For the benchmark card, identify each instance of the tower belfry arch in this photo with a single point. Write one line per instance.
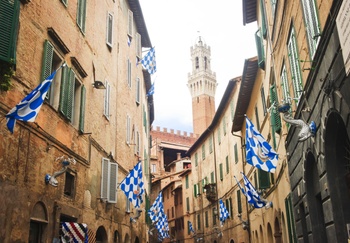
(202, 86)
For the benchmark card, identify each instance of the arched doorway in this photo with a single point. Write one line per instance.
(137, 240)
(101, 235)
(278, 233)
(337, 148)
(38, 222)
(127, 238)
(314, 199)
(269, 233)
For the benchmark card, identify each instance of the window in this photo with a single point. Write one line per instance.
(263, 19)
(263, 100)
(129, 72)
(36, 231)
(221, 172)
(212, 177)
(198, 221)
(196, 190)
(153, 168)
(290, 219)
(285, 85)
(232, 108)
(224, 125)
(312, 25)
(273, 7)
(138, 91)
(204, 183)
(214, 211)
(172, 212)
(227, 165)
(203, 151)
(138, 46)
(206, 219)
(128, 129)
(109, 181)
(127, 206)
(106, 112)
(187, 204)
(137, 142)
(130, 22)
(187, 183)
(257, 118)
(236, 153)
(9, 19)
(72, 98)
(275, 116)
(294, 65)
(228, 203)
(69, 184)
(219, 135)
(210, 144)
(196, 159)
(239, 204)
(264, 179)
(109, 38)
(81, 15)
(260, 49)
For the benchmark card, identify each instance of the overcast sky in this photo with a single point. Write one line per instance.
(173, 27)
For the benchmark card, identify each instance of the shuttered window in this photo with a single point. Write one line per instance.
(227, 165)
(263, 19)
(138, 91)
(260, 49)
(236, 153)
(203, 151)
(275, 116)
(82, 109)
(128, 129)
(198, 221)
(129, 72)
(196, 159)
(109, 180)
(293, 57)
(138, 46)
(290, 219)
(130, 22)
(187, 183)
(257, 118)
(106, 110)
(263, 100)
(239, 203)
(221, 172)
(214, 210)
(232, 109)
(67, 92)
(285, 85)
(212, 177)
(187, 204)
(264, 179)
(81, 15)
(9, 19)
(110, 22)
(312, 25)
(210, 144)
(224, 125)
(219, 135)
(47, 64)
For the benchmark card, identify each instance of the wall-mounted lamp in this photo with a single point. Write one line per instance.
(138, 214)
(245, 223)
(98, 85)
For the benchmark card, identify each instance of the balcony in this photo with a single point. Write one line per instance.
(210, 192)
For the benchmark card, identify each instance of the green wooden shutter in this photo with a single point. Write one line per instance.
(81, 14)
(9, 18)
(260, 49)
(196, 159)
(227, 166)
(263, 20)
(221, 172)
(70, 95)
(82, 109)
(275, 116)
(46, 68)
(187, 204)
(290, 219)
(113, 179)
(236, 153)
(198, 221)
(64, 90)
(231, 212)
(264, 179)
(186, 181)
(195, 190)
(147, 207)
(239, 203)
(212, 179)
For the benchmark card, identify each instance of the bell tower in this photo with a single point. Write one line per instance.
(202, 85)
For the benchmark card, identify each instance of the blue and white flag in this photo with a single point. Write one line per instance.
(223, 214)
(149, 61)
(162, 226)
(190, 226)
(28, 109)
(151, 90)
(252, 195)
(259, 153)
(133, 186)
(157, 209)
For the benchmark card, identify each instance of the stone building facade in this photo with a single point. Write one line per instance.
(306, 51)
(98, 131)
